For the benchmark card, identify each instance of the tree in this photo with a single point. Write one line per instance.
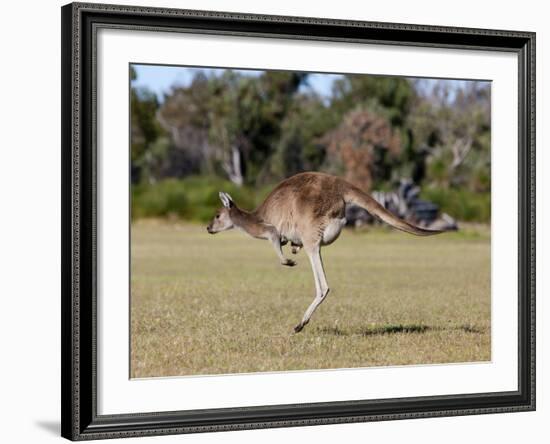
(145, 129)
(298, 147)
(184, 115)
(453, 127)
(230, 124)
(363, 146)
(394, 94)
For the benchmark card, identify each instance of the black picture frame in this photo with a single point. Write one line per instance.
(80, 420)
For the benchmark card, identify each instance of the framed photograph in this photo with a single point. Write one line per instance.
(281, 221)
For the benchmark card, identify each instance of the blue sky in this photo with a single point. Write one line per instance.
(160, 79)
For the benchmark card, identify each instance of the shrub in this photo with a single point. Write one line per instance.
(461, 204)
(162, 199)
(193, 198)
(196, 198)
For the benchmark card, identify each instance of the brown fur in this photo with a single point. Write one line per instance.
(303, 204)
(307, 210)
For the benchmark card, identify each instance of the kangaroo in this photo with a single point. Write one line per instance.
(307, 210)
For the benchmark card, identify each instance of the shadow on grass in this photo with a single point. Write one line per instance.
(387, 329)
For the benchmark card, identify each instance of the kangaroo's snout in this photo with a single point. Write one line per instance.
(209, 229)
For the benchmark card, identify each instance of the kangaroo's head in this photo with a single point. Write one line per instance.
(222, 219)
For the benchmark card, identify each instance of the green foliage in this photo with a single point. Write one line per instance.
(394, 94)
(461, 204)
(455, 136)
(196, 198)
(145, 131)
(249, 132)
(299, 146)
(237, 118)
(193, 198)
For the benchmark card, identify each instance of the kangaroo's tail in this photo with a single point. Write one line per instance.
(354, 195)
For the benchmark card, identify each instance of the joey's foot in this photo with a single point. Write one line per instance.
(288, 262)
(295, 250)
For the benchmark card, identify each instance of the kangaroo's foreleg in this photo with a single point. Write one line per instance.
(321, 285)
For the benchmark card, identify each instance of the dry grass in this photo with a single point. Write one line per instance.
(205, 304)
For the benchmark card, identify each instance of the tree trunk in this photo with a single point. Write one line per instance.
(233, 166)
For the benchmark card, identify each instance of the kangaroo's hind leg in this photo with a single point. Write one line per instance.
(321, 285)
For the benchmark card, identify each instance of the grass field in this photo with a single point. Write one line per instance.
(203, 304)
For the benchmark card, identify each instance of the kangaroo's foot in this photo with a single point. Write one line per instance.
(288, 262)
(299, 327)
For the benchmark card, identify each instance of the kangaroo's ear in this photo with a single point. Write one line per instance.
(226, 200)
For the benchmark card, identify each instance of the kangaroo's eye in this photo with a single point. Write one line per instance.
(217, 216)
